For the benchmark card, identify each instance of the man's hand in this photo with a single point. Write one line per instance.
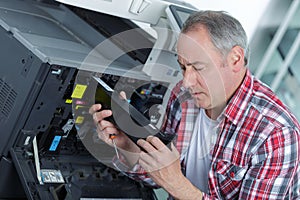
(163, 166)
(161, 163)
(105, 129)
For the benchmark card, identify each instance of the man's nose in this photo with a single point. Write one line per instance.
(189, 77)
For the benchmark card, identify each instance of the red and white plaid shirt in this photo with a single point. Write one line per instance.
(257, 152)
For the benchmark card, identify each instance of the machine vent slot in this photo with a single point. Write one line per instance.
(7, 99)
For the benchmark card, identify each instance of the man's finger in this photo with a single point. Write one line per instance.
(104, 124)
(123, 95)
(98, 116)
(147, 162)
(94, 108)
(156, 142)
(146, 145)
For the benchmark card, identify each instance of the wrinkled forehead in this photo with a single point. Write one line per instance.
(191, 47)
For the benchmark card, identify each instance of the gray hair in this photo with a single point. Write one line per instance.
(225, 31)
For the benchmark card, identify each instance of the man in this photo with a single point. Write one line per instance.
(245, 143)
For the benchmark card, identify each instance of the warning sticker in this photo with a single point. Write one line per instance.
(68, 101)
(55, 143)
(79, 91)
(52, 176)
(79, 120)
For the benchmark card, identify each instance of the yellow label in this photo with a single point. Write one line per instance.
(69, 101)
(78, 91)
(79, 120)
(78, 106)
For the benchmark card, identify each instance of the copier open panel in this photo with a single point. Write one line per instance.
(67, 169)
(45, 45)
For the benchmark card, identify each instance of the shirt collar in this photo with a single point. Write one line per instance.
(237, 105)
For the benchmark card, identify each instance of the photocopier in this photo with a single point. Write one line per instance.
(54, 55)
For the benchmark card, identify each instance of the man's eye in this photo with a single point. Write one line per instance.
(182, 67)
(199, 68)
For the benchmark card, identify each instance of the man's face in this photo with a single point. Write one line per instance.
(205, 73)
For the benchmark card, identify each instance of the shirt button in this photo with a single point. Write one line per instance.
(231, 174)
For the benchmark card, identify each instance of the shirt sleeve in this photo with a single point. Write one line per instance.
(272, 173)
(173, 110)
(136, 172)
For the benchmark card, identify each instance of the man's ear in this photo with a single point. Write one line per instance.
(235, 58)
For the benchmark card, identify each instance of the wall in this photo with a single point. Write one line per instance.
(248, 12)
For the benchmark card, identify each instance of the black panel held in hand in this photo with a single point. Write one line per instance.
(125, 116)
